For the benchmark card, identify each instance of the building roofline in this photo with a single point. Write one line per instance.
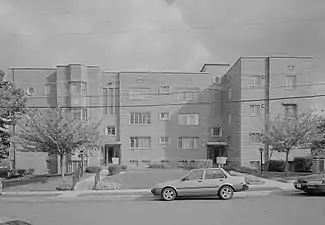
(214, 64)
(162, 72)
(30, 68)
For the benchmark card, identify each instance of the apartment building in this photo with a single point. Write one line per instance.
(150, 116)
(253, 83)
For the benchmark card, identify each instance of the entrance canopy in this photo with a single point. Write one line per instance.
(220, 143)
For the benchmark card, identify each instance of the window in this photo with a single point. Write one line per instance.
(48, 89)
(78, 87)
(291, 81)
(214, 174)
(80, 114)
(140, 93)
(229, 93)
(84, 114)
(30, 91)
(188, 95)
(188, 119)
(188, 142)
(140, 143)
(165, 89)
(84, 88)
(140, 118)
(229, 118)
(195, 175)
(255, 137)
(256, 81)
(164, 139)
(105, 100)
(110, 130)
(255, 110)
(290, 110)
(111, 101)
(216, 131)
(164, 116)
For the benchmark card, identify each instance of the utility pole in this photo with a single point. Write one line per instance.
(266, 107)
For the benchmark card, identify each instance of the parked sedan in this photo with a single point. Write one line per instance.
(311, 184)
(201, 182)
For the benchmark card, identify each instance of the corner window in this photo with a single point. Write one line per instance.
(48, 89)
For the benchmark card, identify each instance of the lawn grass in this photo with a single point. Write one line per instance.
(144, 179)
(37, 183)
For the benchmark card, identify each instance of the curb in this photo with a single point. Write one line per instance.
(137, 192)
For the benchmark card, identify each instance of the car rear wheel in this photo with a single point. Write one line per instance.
(226, 192)
(168, 194)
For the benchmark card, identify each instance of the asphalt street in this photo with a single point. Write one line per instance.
(284, 208)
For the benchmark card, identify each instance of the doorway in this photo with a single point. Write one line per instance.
(109, 153)
(215, 151)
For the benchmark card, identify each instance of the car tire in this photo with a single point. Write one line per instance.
(226, 192)
(168, 194)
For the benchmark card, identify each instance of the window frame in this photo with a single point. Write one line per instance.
(196, 119)
(111, 128)
(140, 116)
(140, 97)
(288, 79)
(254, 78)
(162, 118)
(161, 87)
(213, 129)
(255, 114)
(136, 141)
(195, 143)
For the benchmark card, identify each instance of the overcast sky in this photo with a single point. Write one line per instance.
(157, 34)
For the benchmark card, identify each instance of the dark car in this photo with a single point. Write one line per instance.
(311, 184)
(11, 221)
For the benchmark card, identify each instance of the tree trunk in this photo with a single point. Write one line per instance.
(62, 168)
(286, 165)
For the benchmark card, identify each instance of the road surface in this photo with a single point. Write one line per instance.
(286, 209)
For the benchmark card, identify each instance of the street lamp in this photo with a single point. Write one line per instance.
(261, 149)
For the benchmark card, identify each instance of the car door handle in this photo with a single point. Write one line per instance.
(221, 179)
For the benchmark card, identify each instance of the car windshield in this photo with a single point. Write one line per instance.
(194, 175)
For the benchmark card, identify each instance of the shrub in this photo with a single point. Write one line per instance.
(4, 172)
(93, 169)
(156, 165)
(21, 172)
(107, 186)
(302, 164)
(114, 169)
(30, 171)
(240, 169)
(276, 165)
(64, 187)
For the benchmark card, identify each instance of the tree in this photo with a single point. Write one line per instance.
(56, 131)
(295, 132)
(12, 107)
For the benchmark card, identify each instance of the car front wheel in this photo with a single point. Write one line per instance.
(226, 192)
(168, 194)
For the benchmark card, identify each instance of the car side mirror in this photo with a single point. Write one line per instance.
(185, 179)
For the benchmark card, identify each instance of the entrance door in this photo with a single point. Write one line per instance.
(108, 154)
